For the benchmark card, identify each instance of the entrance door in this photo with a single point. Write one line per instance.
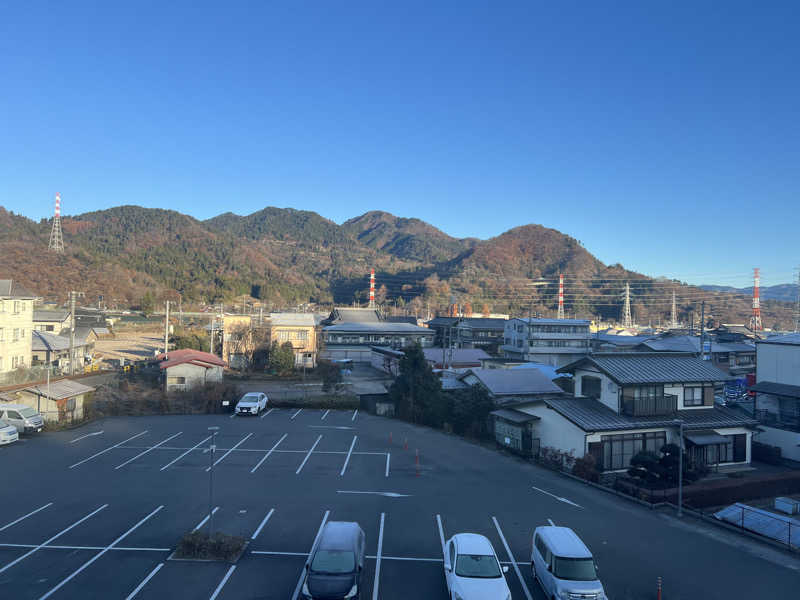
(740, 447)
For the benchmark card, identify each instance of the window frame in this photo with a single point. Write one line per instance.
(693, 402)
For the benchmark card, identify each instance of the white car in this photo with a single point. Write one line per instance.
(472, 570)
(251, 403)
(8, 433)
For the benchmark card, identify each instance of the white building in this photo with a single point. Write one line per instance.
(186, 369)
(554, 342)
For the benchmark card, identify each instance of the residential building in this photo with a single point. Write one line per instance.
(50, 349)
(455, 359)
(61, 400)
(237, 340)
(736, 358)
(554, 342)
(53, 320)
(468, 332)
(777, 388)
(16, 324)
(186, 369)
(302, 331)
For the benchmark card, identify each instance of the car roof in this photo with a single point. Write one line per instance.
(563, 542)
(13, 406)
(473, 543)
(339, 535)
(252, 394)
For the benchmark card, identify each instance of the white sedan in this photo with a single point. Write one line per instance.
(251, 403)
(472, 570)
(8, 433)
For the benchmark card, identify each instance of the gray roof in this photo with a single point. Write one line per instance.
(621, 340)
(514, 382)
(11, 289)
(482, 323)
(47, 314)
(553, 321)
(456, 355)
(650, 367)
(776, 389)
(378, 327)
(452, 383)
(790, 339)
(43, 341)
(515, 416)
(354, 315)
(591, 415)
(362, 388)
(690, 343)
(293, 319)
(64, 388)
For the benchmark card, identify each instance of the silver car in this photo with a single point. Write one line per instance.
(8, 433)
(21, 416)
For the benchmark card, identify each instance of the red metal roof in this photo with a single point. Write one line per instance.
(187, 355)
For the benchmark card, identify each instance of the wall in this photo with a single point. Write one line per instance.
(787, 441)
(609, 394)
(779, 363)
(9, 321)
(554, 430)
(195, 375)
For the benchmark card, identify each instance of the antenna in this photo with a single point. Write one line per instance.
(627, 321)
(755, 320)
(56, 237)
(560, 296)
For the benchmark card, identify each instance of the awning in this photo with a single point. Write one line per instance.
(515, 416)
(705, 437)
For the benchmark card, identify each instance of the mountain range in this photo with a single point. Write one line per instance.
(134, 256)
(785, 292)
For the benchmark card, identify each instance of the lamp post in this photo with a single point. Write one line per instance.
(211, 451)
(679, 423)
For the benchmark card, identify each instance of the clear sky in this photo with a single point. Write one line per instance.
(663, 135)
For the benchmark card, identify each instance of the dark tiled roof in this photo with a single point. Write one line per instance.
(645, 367)
(515, 416)
(776, 389)
(591, 415)
(439, 321)
(483, 323)
(353, 315)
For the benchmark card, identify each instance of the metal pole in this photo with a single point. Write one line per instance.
(211, 451)
(680, 472)
(72, 332)
(166, 332)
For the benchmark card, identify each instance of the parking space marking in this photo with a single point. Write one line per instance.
(266, 413)
(130, 460)
(303, 572)
(329, 427)
(144, 582)
(355, 413)
(261, 525)
(378, 561)
(203, 522)
(223, 582)
(107, 450)
(300, 468)
(57, 547)
(388, 456)
(221, 458)
(172, 462)
(513, 560)
(273, 553)
(98, 555)
(551, 522)
(349, 452)
(59, 534)
(386, 494)
(271, 450)
(30, 514)
(559, 498)
(325, 414)
(295, 414)
(77, 439)
(441, 532)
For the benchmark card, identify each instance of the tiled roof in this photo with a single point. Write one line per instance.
(46, 314)
(776, 389)
(688, 343)
(482, 323)
(11, 289)
(591, 415)
(293, 319)
(196, 357)
(514, 382)
(354, 315)
(378, 327)
(42, 341)
(650, 367)
(553, 321)
(456, 355)
(790, 339)
(515, 416)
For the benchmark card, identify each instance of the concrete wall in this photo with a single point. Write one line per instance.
(787, 441)
(779, 363)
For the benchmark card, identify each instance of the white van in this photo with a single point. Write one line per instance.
(21, 416)
(563, 565)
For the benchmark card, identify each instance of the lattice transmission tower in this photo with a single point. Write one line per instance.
(56, 237)
(627, 320)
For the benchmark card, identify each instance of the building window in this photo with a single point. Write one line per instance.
(693, 396)
(1, 334)
(590, 386)
(16, 307)
(15, 335)
(618, 450)
(176, 380)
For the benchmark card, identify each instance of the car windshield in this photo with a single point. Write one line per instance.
(334, 561)
(477, 565)
(27, 412)
(249, 398)
(575, 569)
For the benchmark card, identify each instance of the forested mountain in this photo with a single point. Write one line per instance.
(133, 256)
(785, 292)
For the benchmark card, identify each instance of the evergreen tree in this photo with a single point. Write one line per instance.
(417, 392)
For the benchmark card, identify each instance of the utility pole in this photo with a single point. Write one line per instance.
(166, 332)
(72, 295)
(674, 323)
(702, 329)
(797, 308)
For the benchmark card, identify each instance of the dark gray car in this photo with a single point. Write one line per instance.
(333, 571)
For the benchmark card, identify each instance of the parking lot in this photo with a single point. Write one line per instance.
(97, 511)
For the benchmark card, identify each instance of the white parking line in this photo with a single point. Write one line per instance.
(295, 414)
(130, 460)
(173, 461)
(300, 468)
(271, 553)
(59, 534)
(223, 582)
(441, 531)
(325, 414)
(271, 450)
(221, 458)
(114, 549)
(355, 413)
(98, 555)
(378, 561)
(559, 498)
(347, 460)
(551, 522)
(388, 456)
(303, 572)
(261, 525)
(203, 522)
(107, 450)
(83, 437)
(30, 514)
(266, 413)
(144, 582)
(513, 560)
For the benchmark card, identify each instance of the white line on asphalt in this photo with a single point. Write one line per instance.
(271, 450)
(173, 461)
(144, 581)
(233, 415)
(30, 514)
(271, 553)
(513, 560)
(130, 460)
(559, 498)
(388, 456)
(441, 531)
(98, 555)
(329, 427)
(302, 464)
(355, 413)
(347, 460)
(77, 439)
(295, 414)
(378, 561)
(303, 572)
(220, 459)
(325, 414)
(59, 534)
(266, 413)
(114, 549)
(261, 525)
(203, 522)
(107, 449)
(223, 582)
(551, 522)
(386, 494)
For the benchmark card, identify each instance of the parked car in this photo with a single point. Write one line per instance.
(251, 403)
(563, 565)
(333, 570)
(8, 433)
(21, 416)
(471, 569)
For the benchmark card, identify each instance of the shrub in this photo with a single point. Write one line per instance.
(586, 468)
(220, 546)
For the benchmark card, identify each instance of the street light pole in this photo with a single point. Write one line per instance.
(680, 468)
(211, 451)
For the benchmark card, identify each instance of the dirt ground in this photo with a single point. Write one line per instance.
(130, 345)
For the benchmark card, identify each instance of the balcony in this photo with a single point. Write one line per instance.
(650, 406)
(789, 421)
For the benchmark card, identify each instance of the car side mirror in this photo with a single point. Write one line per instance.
(550, 568)
(505, 569)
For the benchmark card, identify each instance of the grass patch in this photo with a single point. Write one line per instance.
(221, 546)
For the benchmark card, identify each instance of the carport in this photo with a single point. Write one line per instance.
(513, 429)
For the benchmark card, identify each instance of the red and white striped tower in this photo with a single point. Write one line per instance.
(56, 237)
(372, 288)
(560, 296)
(755, 320)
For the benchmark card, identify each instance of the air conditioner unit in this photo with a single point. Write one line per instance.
(787, 505)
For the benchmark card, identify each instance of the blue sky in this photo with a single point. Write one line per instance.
(664, 136)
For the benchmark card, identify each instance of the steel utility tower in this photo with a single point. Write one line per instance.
(56, 237)
(755, 320)
(372, 288)
(627, 321)
(674, 321)
(560, 296)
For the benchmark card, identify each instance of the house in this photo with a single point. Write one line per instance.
(61, 400)
(51, 319)
(777, 388)
(386, 360)
(50, 349)
(16, 324)
(237, 340)
(612, 342)
(627, 402)
(468, 332)
(455, 359)
(186, 369)
(736, 358)
(551, 341)
(302, 331)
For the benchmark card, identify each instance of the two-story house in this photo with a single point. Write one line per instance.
(736, 358)
(468, 332)
(54, 320)
(553, 342)
(627, 402)
(301, 330)
(16, 324)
